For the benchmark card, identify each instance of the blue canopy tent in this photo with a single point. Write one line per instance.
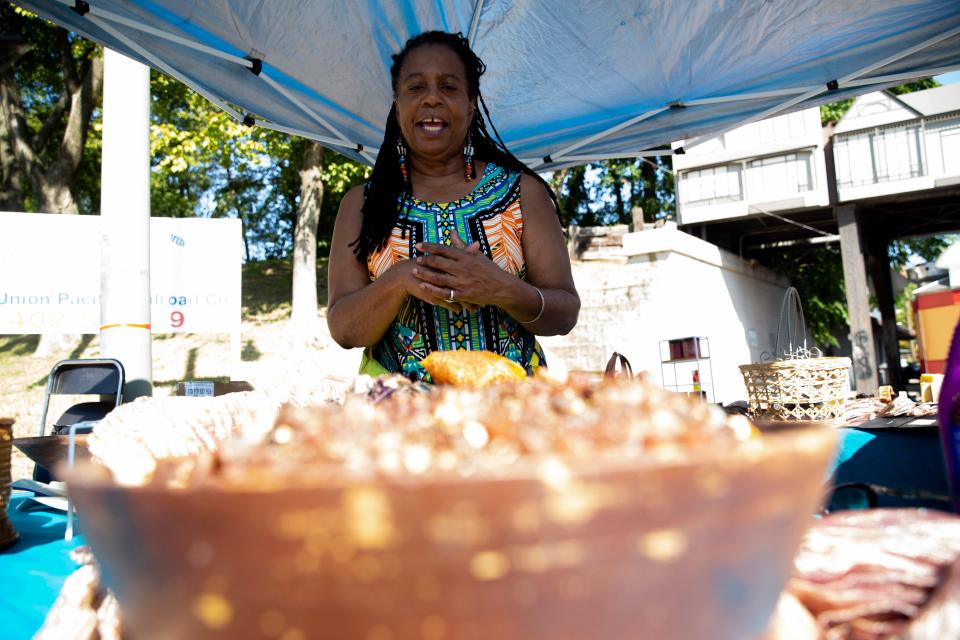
(568, 82)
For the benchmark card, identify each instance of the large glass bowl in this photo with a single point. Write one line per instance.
(696, 547)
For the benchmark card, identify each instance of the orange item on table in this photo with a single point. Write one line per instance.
(472, 368)
(936, 313)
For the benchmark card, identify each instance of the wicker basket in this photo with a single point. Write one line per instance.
(8, 535)
(799, 390)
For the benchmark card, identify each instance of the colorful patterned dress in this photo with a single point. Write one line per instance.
(490, 214)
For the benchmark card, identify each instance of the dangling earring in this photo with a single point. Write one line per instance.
(468, 157)
(402, 152)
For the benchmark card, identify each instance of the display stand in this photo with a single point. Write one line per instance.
(685, 366)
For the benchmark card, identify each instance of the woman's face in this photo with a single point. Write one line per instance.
(433, 105)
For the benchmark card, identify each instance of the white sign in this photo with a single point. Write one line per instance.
(50, 274)
(195, 274)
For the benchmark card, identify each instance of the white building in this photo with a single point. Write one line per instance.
(771, 165)
(889, 144)
(889, 169)
(662, 284)
(771, 183)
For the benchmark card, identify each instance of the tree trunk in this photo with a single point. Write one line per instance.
(616, 178)
(11, 167)
(303, 315)
(54, 186)
(246, 240)
(648, 180)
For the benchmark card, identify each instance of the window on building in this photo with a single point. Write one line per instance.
(885, 154)
(779, 177)
(715, 184)
(950, 147)
(854, 160)
(785, 127)
(897, 154)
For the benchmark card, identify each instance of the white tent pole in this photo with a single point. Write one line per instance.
(899, 55)
(760, 95)
(324, 140)
(167, 68)
(817, 91)
(166, 35)
(766, 113)
(649, 153)
(239, 117)
(249, 64)
(125, 332)
(646, 153)
(475, 21)
(608, 132)
(313, 114)
(898, 77)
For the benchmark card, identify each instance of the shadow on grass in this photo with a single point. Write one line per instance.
(250, 353)
(85, 341)
(19, 345)
(191, 370)
(75, 354)
(268, 286)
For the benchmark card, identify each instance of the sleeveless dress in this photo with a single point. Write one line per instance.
(490, 214)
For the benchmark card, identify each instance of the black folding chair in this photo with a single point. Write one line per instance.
(102, 377)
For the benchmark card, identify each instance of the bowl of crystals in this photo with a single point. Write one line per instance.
(526, 509)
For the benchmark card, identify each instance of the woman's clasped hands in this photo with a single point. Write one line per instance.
(457, 277)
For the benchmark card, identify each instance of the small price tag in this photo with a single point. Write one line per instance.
(198, 389)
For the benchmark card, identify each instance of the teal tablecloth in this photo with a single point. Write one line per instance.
(33, 570)
(906, 460)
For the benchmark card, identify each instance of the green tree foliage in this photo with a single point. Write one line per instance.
(927, 248)
(207, 164)
(49, 103)
(340, 174)
(833, 111)
(910, 87)
(817, 273)
(573, 196)
(605, 193)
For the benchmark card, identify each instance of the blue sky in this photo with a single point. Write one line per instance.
(948, 78)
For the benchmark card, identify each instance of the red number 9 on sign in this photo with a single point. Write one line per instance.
(176, 319)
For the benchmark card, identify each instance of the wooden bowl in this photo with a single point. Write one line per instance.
(698, 548)
(52, 451)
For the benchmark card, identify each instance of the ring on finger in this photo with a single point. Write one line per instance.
(450, 298)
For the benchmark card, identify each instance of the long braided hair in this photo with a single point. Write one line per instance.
(387, 196)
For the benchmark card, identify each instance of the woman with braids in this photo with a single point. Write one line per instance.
(453, 243)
